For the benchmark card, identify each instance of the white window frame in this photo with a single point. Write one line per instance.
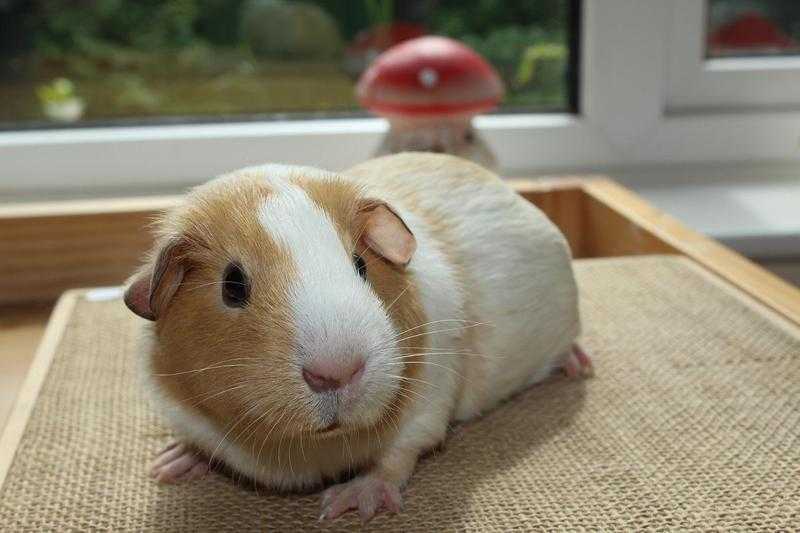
(736, 83)
(625, 120)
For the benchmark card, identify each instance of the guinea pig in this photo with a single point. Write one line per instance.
(308, 326)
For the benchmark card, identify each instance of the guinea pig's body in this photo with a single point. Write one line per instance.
(496, 264)
(309, 324)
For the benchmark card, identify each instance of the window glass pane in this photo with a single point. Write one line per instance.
(94, 61)
(753, 28)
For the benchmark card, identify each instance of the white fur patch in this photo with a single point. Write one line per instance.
(337, 315)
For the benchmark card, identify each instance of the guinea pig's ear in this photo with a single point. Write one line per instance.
(151, 289)
(385, 232)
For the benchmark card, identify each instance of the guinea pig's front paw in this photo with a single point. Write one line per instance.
(177, 463)
(367, 493)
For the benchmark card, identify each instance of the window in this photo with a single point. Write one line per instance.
(95, 62)
(641, 88)
(761, 28)
(742, 56)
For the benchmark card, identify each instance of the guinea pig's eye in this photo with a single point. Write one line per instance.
(235, 286)
(361, 266)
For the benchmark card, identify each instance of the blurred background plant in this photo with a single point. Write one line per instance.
(179, 58)
(59, 101)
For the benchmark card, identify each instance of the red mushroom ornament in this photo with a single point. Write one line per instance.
(429, 89)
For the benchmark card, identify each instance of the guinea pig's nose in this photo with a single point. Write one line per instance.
(323, 376)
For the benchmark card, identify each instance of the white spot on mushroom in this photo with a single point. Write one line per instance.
(428, 77)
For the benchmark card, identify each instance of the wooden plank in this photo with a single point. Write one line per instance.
(42, 256)
(608, 232)
(49, 247)
(99, 206)
(21, 329)
(26, 399)
(561, 199)
(619, 222)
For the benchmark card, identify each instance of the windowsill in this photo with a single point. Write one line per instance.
(201, 131)
(759, 219)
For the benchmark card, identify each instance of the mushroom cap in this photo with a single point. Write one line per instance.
(429, 76)
(747, 30)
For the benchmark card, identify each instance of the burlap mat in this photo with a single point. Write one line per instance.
(691, 422)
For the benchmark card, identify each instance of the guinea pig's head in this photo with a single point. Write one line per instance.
(282, 304)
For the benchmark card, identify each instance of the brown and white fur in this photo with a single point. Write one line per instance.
(468, 297)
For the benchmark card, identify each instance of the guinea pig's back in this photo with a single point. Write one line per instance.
(514, 265)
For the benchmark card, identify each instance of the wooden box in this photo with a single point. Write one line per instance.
(690, 422)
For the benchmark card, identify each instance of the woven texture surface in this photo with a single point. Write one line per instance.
(692, 422)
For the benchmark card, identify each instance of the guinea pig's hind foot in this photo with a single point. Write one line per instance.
(177, 463)
(367, 494)
(577, 363)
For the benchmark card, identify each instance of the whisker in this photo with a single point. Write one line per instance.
(237, 387)
(406, 378)
(412, 395)
(238, 421)
(398, 297)
(442, 331)
(433, 349)
(437, 365)
(252, 432)
(405, 393)
(302, 450)
(280, 443)
(266, 438)
(349, 450)
(430, 324)
(393, 416)
(420, 354)
(244, 434)
(205, 369)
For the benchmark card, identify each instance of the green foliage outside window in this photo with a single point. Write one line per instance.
(126, 58)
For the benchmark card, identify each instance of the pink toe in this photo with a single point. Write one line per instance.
(171, 453)
(197, 471)
(584, 361)
(366, 510)
(340, 503)
(172, 472)
(336, 510)
(571, 368)
(583, 358)
(367, 495)
(172, 445)
(392, 499)
(329, 494)
(370, 501)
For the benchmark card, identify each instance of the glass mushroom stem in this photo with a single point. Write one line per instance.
(450, 134)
